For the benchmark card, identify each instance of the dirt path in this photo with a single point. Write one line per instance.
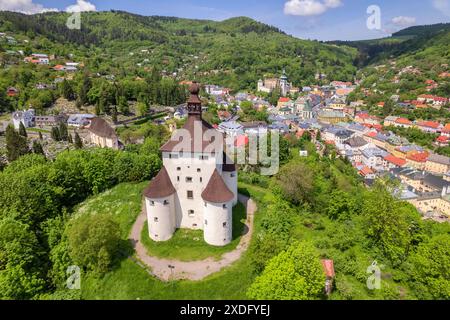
(193, 270)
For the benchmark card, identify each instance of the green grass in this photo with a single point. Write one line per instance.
(123, 203)
(130, 281)
(189, 245)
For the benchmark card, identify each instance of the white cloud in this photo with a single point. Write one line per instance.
(81, 6)
(443, 6)
(309, 7)
(23, 6)
(403, 21)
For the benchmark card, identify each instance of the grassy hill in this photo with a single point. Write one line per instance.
(234, 52)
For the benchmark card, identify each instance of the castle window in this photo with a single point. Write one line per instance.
(194, 225)
(152, 203)
(203, 157)
(155, 219)
(201, 179)
(178, 168)
(224, 206)
(166, 202)
(190, 194)
(232, 175)
(191, 213)
(189, 179)
(178, 178)
(224, 224)
(206, 222)
(206, 204)
(199, 170)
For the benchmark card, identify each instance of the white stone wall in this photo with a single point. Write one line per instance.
(160, 218)
(218, 223)
(179, 168)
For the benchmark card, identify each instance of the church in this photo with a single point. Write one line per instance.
(197, 185)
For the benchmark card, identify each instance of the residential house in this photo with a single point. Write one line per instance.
(417, 160)
(391, 162)
(12, 92)
(24, 117)
(374, 158)
(429, 126)
(254, 127)
(79, 120)
(437, 164)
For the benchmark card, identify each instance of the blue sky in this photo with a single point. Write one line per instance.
(307, 19)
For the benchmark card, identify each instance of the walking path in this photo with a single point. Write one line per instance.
(167, 269)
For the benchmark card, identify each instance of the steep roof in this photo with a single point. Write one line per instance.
(160, 186)
(101, 128)
(217, 191)
(193, 123)
(197, 143)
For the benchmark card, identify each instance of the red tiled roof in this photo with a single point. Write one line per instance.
(283, 99)
(371, 134)
(442, 139)
(429, 124)
(365, 171)
(419, 157)
(397, 161)
(403, 121)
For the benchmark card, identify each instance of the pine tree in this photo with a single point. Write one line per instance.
(78, 142)
(55, 134)
(63, 134)
(66, 90)
(22, 130)
(114, 115)
(37, 148)
(16, 145)
(40, 136)
(69, 138)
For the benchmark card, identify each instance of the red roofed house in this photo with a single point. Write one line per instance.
(381, 104)
(328, 268)
(367, 173)
(430, 126)
(434, 100)
(403, 123)
(417, 160)
(442, 141)
(283, 101)
(391, 162)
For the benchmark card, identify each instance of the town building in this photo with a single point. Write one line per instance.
(270, 84)
(24, 117)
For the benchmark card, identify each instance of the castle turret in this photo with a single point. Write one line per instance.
(218, 211)
(160, 206)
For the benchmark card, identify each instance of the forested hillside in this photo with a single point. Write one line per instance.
(235, 52)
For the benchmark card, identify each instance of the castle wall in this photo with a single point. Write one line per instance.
(218, 223)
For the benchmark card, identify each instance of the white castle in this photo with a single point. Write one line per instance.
(196, 187)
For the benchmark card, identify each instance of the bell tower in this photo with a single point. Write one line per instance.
(194, 104)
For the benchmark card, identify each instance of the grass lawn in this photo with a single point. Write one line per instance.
(129, 281)
(188, 245)
(123, 203)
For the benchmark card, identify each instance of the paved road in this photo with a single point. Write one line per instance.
(194, 270)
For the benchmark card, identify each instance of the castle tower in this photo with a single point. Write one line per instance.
(195, 189)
